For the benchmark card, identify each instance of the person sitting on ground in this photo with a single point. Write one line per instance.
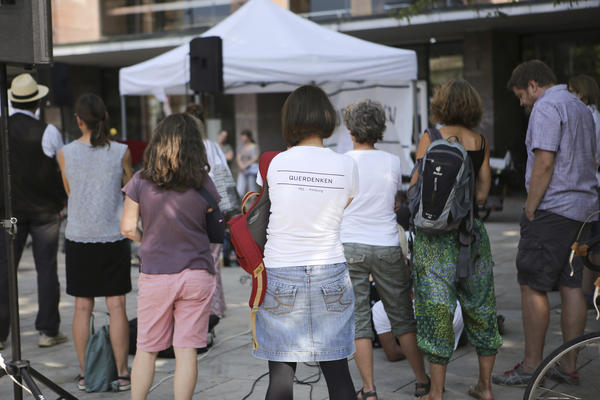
(97, 256)
(391, 346)
(457, 105)
(372, 246)
(177, 276)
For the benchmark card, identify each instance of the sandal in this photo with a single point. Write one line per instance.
(80, 382)
(364, 395)
(117, 386)
(422, 389)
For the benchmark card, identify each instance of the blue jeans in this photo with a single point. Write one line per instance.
(44, 230)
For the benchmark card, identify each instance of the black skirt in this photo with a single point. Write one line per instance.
(98, 269)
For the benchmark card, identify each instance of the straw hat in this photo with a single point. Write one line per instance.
(25, 89)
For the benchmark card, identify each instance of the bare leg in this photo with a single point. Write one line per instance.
(408, 342)
(483, 389)
(364, 362)
(142, 374)
(186, 372)
(81, 327)
(572, 321)
(536, 316)
(438, 379)
(119, 332)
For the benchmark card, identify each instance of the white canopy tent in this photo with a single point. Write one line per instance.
(269, 49)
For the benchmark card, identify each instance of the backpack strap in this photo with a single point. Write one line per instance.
(434, 134)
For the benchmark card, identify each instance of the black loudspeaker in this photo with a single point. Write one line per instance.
(61, 85)
(206, 64)
(25, 32)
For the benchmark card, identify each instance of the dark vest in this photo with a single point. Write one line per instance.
(35, 178)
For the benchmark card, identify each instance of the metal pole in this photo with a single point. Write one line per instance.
(123, 119)
(9, 225)
(413, 86)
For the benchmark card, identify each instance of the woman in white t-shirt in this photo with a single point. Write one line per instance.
(372, 246)
(307, 314)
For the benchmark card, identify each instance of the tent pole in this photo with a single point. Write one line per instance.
(123, 119)
(413, 86)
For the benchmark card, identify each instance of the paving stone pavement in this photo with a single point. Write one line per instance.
(228, 371)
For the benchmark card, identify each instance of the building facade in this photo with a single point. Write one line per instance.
(478, 40)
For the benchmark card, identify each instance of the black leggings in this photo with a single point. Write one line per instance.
(337, 376)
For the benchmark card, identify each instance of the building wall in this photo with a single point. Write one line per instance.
(75, 21)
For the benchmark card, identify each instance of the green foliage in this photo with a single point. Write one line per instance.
(424, 6)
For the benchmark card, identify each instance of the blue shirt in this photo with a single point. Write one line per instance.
(560, 123)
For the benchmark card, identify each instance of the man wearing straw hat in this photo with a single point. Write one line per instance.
(37, 198)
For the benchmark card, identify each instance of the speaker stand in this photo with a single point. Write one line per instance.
(19, 369)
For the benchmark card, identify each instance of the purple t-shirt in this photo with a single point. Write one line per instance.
(174, 225)
(560, 123)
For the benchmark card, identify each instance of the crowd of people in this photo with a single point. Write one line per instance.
(332, 235)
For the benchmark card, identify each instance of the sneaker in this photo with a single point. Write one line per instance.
(513, 377)
(49, 341)
(558, 375)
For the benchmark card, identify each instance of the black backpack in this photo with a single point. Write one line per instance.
(442, 198)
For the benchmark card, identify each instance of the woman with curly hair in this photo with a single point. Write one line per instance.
(177, 278)
(372, 246)
(456, 105)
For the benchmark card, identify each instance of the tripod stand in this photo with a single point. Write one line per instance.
(19, 369)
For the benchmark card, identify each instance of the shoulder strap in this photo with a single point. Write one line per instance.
(264, 162)
(434, 134)
(208, 197)
(482, 142)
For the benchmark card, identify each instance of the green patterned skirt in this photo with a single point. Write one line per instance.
(436, 292)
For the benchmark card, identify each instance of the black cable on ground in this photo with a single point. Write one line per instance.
(296, 380)
(254, 385)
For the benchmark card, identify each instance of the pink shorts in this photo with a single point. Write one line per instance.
(173, 309)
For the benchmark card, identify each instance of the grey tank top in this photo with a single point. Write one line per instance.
(95, 200)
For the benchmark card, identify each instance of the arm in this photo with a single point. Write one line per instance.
(541, 174)
(61, 164)
(421, 150)
(484, 178)
(229, 155)
(129, 220)
(127, 169)
(240, 164)
(255, 156)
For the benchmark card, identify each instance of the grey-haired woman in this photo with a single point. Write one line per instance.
(372, 246)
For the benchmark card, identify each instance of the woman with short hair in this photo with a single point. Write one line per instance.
(177, 276)
(307, 314)
(97, 256)
(457, 106)
(372, 246)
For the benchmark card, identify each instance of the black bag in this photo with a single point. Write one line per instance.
(215, 223)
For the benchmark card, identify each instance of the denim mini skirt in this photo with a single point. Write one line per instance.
(307, 314)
